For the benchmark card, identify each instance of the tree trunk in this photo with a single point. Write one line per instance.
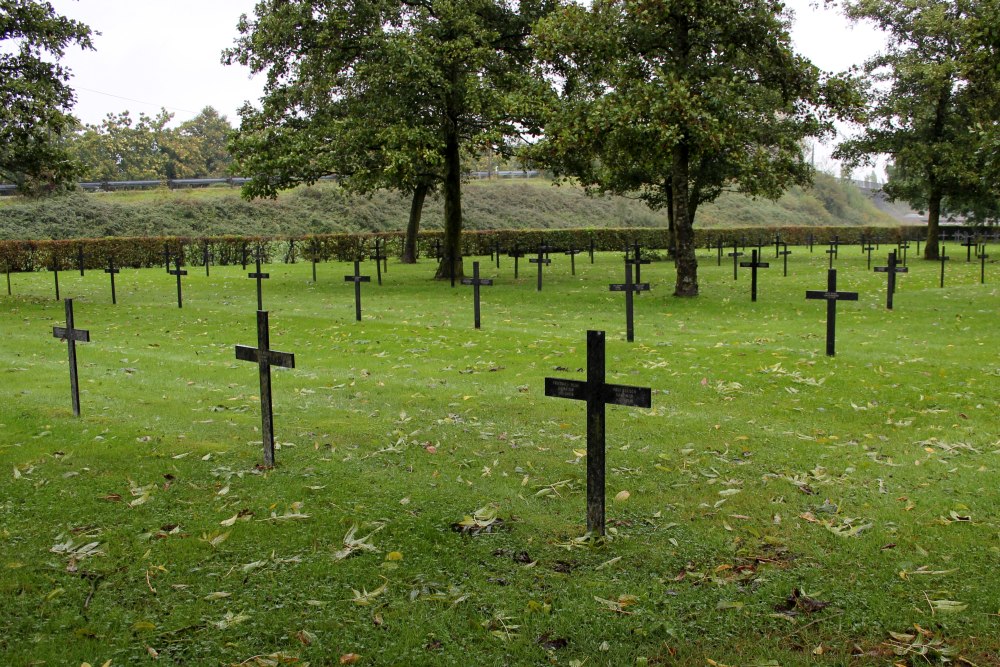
(671, 235)
(933, 220)
(413, 225)
(451, 262)
(687, 263)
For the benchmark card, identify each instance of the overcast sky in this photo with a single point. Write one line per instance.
(167, 53)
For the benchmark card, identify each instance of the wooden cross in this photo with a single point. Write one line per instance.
(636, 260)
(9, 293)
(892, 269)
(784, 256)
(243, 255)
(597, 393)
(379, 257)
(111, 271)
(259, 276)
(777, 244)
(476, 281)
(495, 252)
(437, 250)
(55, 273)
(720, 251)
(79, 258)
(835, 244)
(735, 254)
(832, 296)
(753, 265)
(982, 264)
(265, 357)
(629, 288)
(572, 252)
(515, 253)
(969, 244)
(314, 255)
(290, 256)
(166, 256)
(944, 258)
(357, 279)
(832, 252)
(72, 335)
(540, 260)
(591, 248)
(178, 272)
(868, 247)
(811, 239)
(904, 246)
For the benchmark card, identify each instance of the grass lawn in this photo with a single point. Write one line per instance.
(774, 507)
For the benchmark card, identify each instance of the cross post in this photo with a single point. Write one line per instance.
(591, 248)
(259, 276)
(265, 357)
(982, 264)
(735, 254)
(243, 255)
(177, 271)
(166, 256)
(832, 296)
(720, 251)
(777, 246)
(515, 253)
(943, 258)
(378, 257)
(904, 246)
(111, 271)
(753, 265)
(892, 269)
(206, 256)
(572, 252)
(832, 252)
(969, 244)
(597, 393)
(629, 288)
(72, 335)
(540, 260)
(784, 256)
(476, 281)
(79, 258)
(636, 260)
(55, 274)
(811, 240)
(868, 247)
(357, 279)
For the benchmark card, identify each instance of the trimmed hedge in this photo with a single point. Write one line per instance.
(142, 252)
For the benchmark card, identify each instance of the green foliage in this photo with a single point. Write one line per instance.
(922, 106)
(678, 101)
(35, 98)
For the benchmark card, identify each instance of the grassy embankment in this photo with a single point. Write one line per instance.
(325, 208)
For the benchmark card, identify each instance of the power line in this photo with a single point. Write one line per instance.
(129, 99)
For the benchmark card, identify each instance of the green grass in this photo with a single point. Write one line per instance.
(325, 208)
(758, 460)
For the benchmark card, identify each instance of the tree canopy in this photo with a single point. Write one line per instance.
(674, 101)
(923, 105)
(384, 94)
(35, 98)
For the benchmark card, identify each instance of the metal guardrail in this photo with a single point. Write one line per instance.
(7, 189)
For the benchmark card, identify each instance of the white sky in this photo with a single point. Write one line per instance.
(166, 53)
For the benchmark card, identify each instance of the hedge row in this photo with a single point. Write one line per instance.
(227, 250)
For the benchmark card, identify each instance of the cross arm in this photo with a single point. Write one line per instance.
(62, 333)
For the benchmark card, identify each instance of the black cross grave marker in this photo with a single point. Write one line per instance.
(892, 269)
(357, 279)
(735, 254)
(969, 244)
(832, 296)
(314, 255)
(629, 288)
(868, 247)
(178, 272)
(591, 248)
(982, 264)
(540, 260)
(720, 251)
(832, 252)
(265, 357)
(753, 265)
(495, 252)
(636, 260)
(55, 274)
(812, 239)
(516, 254)
(243, 255)
(904, 246)
(111, 271)
(476, 281)
(944, 258)
(572, 252)
(259, 276)
(72, 335)
(79, 258)
(784, 258)
(597, 393)
(9, 293)
(379, 257)
(166, 257)
(777, 246)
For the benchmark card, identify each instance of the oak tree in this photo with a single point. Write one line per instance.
(676, 100)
